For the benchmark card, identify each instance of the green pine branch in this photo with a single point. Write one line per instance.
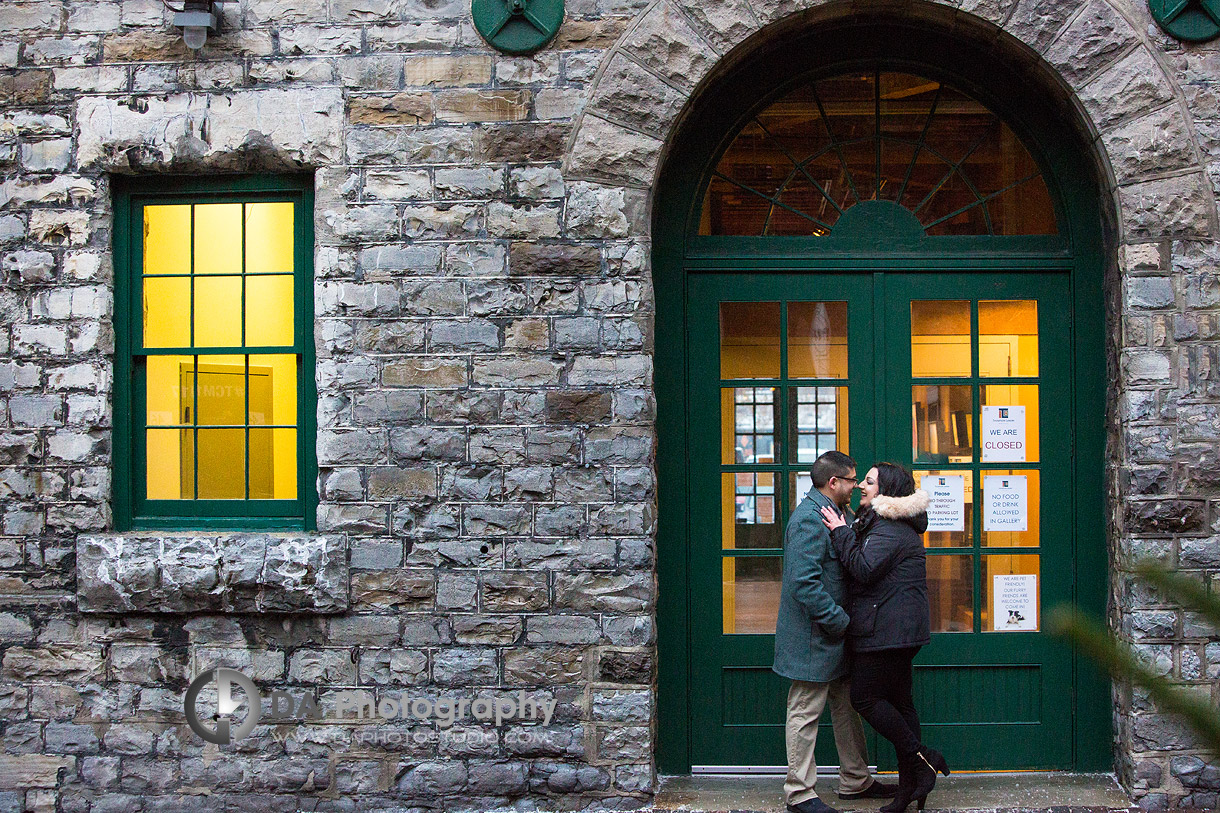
(1122, 663)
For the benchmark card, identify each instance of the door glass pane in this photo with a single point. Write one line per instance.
(817, 421)
(273, 464)
(1011, 592)
(217, 311)
(799, 485)
(1008, 338)
(1009, 423)
(751, 594)
(940, 338)
(941, 430)
(749, 339)
(218, 242)
(1011, 508)
(269, 311)
(951, 592)
(169, 464)
(749, 423)
(817, 340)
(167, 239)
(166, 390)
(269, 238)
(951, 512)
(750, 510)
(167, 312)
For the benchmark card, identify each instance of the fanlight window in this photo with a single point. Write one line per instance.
(803, 161)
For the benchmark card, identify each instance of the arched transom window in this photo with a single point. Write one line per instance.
(806, 159)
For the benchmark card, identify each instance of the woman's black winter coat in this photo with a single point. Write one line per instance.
(888, 587)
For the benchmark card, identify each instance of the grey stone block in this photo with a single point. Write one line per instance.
(212, 572)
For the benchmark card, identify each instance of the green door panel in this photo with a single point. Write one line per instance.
(737, 700)
(990, 700)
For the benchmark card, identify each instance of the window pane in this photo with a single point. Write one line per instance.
(1008, 338)
(167, 239)
(168, 390)
(169, 463)
(222, 390)
(1011, 592)
(751, 594)
(222, 464)
(1009, 423)
(749, 509)
(817, 422)
(217, 311)
(269, 238)
(167, 312)
(817, 340)
(273, 464)
(941, 429)
(940, 338)
(749, 339)
(273, 390)
(749, 425)
(950, 514)
(269, 311)
(1011, 508)
(218, 238)
(951, 592)
(1024, 209)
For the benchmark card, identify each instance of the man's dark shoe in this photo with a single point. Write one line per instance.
(877, 790)
(814, 805)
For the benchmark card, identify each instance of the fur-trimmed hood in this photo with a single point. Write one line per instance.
(899, 508)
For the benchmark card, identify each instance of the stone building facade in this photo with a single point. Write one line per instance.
(486, 417)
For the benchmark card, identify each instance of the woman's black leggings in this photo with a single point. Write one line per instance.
(881, 692)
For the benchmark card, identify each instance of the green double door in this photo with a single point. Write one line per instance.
(966, 379)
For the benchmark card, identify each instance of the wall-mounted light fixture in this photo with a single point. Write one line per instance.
(197, 19)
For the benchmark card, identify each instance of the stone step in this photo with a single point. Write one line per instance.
(1027, 792)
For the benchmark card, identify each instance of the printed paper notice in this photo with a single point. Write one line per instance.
(947, 509)
(1005, 502)
(1014, 603)
(1003, 434)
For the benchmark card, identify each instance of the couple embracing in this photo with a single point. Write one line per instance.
(853, 614)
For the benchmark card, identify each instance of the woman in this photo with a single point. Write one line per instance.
(884, 555)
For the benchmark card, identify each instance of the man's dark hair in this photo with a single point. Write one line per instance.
(831, 464)
(894, 481)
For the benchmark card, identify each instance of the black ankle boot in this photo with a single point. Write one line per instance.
(906, 786)
(925, 774)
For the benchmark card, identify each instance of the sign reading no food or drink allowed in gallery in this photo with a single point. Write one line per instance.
(1005, 502)
(1003, 429)
(947, 505)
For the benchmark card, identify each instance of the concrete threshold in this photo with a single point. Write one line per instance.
(1032, 791)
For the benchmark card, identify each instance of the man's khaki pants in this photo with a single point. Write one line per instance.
(805, 703)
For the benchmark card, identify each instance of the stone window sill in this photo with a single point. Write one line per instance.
(200, 572)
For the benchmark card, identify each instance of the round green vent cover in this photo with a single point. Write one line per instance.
(1188, 20)
(517, 26)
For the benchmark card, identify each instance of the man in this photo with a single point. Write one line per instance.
(809, 646)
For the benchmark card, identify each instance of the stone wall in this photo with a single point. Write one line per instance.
(484, 338)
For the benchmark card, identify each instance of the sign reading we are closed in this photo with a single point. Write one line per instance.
(1003, 430)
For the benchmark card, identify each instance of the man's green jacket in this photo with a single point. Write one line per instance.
(812, 622)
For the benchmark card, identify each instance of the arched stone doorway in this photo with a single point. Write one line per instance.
(866, 243)
(1124, 106)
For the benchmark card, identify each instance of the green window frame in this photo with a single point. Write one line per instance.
(133, 508)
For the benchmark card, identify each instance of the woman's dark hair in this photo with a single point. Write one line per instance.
(893, 480)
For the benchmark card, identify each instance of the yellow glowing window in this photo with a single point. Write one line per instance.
(218, 356)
